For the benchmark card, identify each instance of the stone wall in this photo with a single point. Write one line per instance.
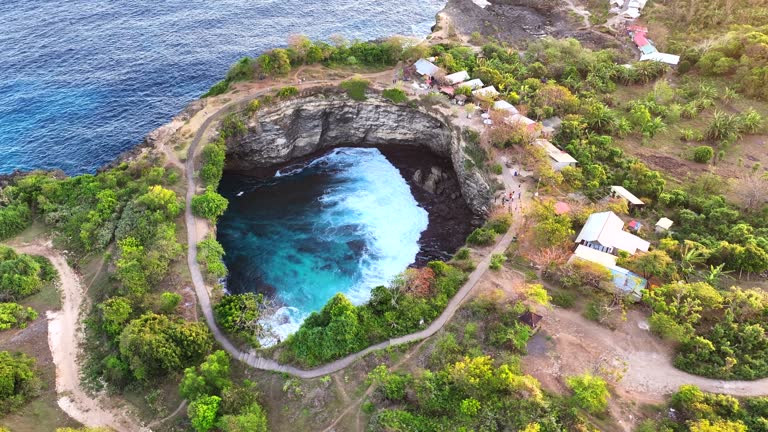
(300, 127)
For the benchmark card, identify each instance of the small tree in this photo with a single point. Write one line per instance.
(202, 412)
(209, 205)
(589, 392)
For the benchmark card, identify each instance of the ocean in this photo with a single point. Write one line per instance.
(84, 80)
(346, 222)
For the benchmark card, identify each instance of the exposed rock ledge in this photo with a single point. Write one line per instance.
(301, 127)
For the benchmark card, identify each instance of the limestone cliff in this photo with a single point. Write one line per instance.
(300, 127)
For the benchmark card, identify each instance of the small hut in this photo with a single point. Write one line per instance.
(532, 320)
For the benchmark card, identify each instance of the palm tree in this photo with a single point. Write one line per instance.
(750, 121)
(690, 256)
(707, 92)
(714, 274)
(724, 127)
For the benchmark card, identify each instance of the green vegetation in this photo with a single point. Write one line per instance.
(703, 154)
(213, 156)
(216, 402)
(589, 392)
(395, 95)
(210, 253)
(19, 381)
(15, 315)
(409, 304)
(471, 380)
(239, 315)
(486, 235)
(497, 261)
(209, 205)
(22, 275)
(169, 302)
(697, 411)
(301, 50)
(287, 92)
(355, 88)
(14, 218)
(722, 334)
(153, 345)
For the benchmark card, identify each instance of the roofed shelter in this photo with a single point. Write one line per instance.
(605, 232)
(458, 77)
(531, 319)
(426, 67)
(558, 158)
(669, 59)
(621, 192)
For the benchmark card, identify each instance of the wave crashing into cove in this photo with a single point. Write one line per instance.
(359, 229)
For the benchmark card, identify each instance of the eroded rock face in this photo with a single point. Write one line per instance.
(301, 127)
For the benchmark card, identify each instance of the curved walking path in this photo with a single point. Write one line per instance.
(659, 369)
(251, 358)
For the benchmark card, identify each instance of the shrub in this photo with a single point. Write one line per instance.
(462, 254)
(155, 345)
(19, 381)
(500, 224)
(355, 88)
(169, 302)
(589, 392)
(395, 95)
(703, 154)
(481, 237)
(210, 253)
(14, 219)
(497, 261)
(15, 315)
(209, 205)
(497, 169)
(287, 92)
(253, 106)
(212, 167)
(22, 275)
(217, 89)
(564, 299)
(239, 315)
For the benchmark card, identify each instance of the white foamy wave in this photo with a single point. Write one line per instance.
(374, 203)
(380, 200)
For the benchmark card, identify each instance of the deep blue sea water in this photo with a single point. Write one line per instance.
(83, 80)
(346, 222)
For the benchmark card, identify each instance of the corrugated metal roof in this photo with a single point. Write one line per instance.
(661, 57)
(473, 84)
(425, 67)
(627, 195)
(457, 77)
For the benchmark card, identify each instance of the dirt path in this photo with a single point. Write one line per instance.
(64, 335)
(578, 344)
(176, 412)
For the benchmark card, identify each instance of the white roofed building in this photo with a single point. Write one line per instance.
(558, 158)
(458, 77)
(620, 192)
(669, 59)
(503, 105)
(486, 92)
(664, 224)
(426, 67)
(605, 232)
(473, 84)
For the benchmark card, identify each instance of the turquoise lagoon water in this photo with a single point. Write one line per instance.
(345, 222)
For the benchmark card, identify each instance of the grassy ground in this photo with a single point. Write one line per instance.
(666, 152)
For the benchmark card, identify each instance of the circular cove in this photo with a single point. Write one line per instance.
(343, 222)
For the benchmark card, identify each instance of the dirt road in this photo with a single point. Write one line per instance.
(578, 345)
(64, 335)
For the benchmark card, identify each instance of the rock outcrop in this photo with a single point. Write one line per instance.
(301, 127)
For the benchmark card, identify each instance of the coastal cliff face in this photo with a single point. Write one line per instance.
(300, 127)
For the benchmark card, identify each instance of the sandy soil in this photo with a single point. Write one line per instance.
(64, 334)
